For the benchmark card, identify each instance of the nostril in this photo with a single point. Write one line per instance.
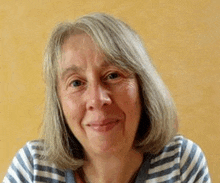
(97, 97)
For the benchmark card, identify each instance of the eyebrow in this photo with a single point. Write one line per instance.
(71, 69)
(77, 69)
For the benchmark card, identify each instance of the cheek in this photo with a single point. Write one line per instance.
(71, 108)
(129, 100)
(74, 114)
(130, 93)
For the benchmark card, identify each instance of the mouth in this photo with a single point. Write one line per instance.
(103, 126)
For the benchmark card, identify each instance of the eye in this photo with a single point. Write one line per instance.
(113, 75)
(76, 83)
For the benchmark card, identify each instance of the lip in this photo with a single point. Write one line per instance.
(103, 126)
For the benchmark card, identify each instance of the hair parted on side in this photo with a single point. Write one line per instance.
(122, 46)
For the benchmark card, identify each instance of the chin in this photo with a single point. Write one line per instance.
(109, 149)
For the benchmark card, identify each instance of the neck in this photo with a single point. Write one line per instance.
(115, 168)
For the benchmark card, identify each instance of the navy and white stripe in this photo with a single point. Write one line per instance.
(180, 161)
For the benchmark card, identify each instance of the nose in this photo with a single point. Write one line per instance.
(97, 97)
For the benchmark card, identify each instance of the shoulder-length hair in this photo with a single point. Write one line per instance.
(122, 46)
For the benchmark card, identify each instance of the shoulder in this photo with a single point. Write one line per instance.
(182, 148)
(30, 154)
(30, 165)
(181, 159)
(193, 164)
(32, 150)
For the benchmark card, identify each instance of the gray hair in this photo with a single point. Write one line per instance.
(121, 46)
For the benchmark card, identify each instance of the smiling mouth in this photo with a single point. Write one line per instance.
(103, 127)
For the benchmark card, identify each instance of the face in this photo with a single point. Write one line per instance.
(100, 101)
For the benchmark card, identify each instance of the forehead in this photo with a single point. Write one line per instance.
(78, 50)
(77, 42)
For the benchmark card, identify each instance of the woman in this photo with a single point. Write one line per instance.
(108, 116)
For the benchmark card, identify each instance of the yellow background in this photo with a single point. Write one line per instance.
(182, 38)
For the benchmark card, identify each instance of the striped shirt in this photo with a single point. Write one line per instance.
(179, 161)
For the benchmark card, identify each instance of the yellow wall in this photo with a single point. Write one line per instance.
(182, 37)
